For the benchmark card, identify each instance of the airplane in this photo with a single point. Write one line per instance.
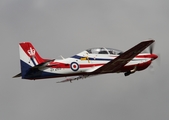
(88, 63)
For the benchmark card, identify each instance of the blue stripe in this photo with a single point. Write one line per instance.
(33, 61)
(101, 59)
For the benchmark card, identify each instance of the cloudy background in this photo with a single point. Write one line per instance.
(66, 27)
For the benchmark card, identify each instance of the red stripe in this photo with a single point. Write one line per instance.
(64, 65)
(145, 56)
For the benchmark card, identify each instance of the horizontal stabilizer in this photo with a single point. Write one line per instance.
(44, 64)
(41, 65)
(18, 75)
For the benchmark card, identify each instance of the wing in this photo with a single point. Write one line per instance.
(116, 64)
(74, 78)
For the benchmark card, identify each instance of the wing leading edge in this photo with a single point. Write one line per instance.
(116, 64)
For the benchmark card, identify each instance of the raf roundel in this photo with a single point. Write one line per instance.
(74, 66)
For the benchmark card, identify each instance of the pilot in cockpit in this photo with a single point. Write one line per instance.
(111, 52)
(103, 52)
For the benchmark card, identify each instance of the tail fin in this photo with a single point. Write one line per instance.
(29, 57)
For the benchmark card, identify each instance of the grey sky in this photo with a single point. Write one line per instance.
(66, 27)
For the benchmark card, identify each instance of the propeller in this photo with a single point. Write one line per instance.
(151, 48)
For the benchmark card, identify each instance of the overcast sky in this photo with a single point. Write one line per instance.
(66, 27)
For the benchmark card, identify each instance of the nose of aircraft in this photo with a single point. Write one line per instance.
(154, 56)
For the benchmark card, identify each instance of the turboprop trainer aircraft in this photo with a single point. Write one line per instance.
(90, 62)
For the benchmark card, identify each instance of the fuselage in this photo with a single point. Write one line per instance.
(84, 63)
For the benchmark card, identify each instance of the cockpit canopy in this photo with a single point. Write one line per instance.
(102, 50)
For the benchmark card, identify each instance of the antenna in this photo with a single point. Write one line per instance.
(62, 57)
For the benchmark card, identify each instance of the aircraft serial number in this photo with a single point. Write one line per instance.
(55, 69)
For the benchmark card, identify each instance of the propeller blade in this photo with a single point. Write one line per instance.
(151, 48)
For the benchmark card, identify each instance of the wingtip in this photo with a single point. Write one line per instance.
(149, 40)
